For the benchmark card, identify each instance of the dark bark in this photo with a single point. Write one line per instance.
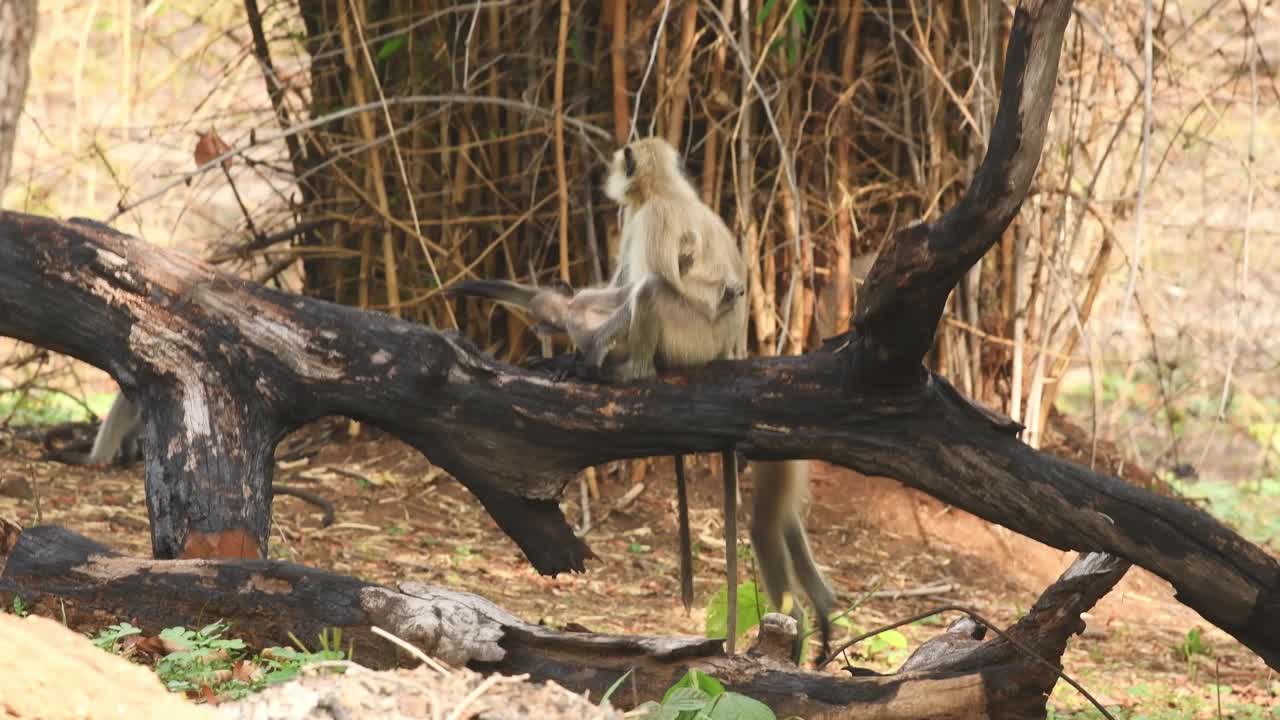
(224, 368)
(949, 676)
(902, 299)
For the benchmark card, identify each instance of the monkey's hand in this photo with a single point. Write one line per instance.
(730, 298)
(570, 366)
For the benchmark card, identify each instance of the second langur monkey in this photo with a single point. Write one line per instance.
(686, 308)
(118, 441)
(676, 300)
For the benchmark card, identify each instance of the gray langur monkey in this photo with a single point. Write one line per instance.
(118, 442)
(677, 300)
(684, 266)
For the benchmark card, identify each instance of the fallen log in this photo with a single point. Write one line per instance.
(61, 573)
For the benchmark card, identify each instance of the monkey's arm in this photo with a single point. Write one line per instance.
(682, 263)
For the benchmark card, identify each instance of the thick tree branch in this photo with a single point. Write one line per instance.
(223, 368)
(949, 676)
(901, 302)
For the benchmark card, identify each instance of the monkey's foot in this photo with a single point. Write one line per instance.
(570, 366)
(596, 354)
(561, 287)
(824, 631)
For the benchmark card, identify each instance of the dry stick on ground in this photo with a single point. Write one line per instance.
(949, 676)
(223, 368)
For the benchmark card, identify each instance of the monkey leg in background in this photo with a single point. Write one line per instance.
(661, 329)
(117, 438)
(118, 441)
(780, 490)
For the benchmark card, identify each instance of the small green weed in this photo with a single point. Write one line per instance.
(205, 652)
(1192, 645)
(107, 638)
(752, 605)
(20, 607)
(204, 661)
(885, 643)
(698, 696)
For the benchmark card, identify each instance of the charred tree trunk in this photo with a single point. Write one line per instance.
(953, 675)
(222, 369)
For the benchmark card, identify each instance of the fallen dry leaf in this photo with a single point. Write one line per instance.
(210, 146)
(246, 671)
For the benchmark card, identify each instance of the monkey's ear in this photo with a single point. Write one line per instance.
(628, 161)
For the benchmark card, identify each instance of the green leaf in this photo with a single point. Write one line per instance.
(765, 10)
(707, 684)
(752, 605)
(653, 711)
(612, 688)
(732, 706)
(694, 680)
(390, 47)
(109, 636)
(685, 698)
(213, 630)
(887, 640)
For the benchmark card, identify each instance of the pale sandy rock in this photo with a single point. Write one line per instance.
(48, 672)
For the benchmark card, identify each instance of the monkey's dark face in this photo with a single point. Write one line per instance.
(621, 170)
(635, 164)
(629, 161)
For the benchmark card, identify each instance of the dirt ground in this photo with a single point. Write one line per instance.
(399, 518)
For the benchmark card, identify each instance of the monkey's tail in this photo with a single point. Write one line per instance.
(500, 290)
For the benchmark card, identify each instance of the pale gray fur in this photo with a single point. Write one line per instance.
(686, 308)
(118, 430)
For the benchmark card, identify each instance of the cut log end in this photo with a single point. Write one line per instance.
(233, 544)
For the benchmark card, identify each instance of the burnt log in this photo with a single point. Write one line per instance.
(67, 575)
(223, 368)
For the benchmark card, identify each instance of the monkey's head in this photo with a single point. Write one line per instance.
(640, 167)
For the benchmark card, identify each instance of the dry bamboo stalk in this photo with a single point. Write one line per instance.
(711, 148)
(621, 106)
(662, 83)
(761, 315)
(375, 161)
(618, 56)
(850, 15)
(1019, 316)
(561, 181)
(680, 93)
(1097, 271)
(795, 293)
(1038, 330)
